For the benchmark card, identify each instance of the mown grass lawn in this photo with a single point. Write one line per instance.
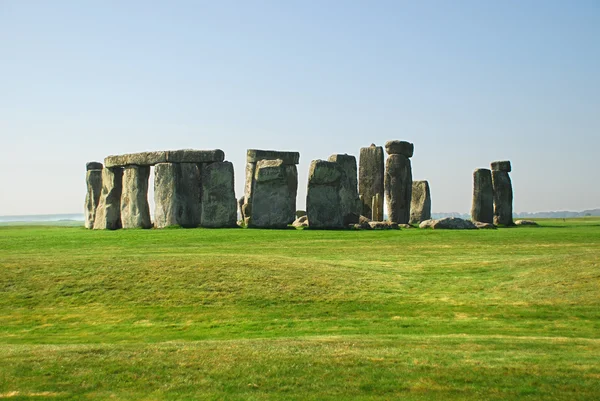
(247, 314)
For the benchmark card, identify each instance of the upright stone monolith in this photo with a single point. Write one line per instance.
(135, 211)
(482, 208)
(273, 201)
(108, 213)
(93, 180)
(278, 181)
(371, 180)
(398, 181)
(324, 206)
(503, 193)
(350, 202)
(177, 195)
(420, 205)
(219, 206)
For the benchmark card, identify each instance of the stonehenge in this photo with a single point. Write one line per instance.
(195, 188)
(398, 181)
(270, 189)
(420, 205)
(370, 181)
(503, 193)
(324, 206)
(93, 180)
(482, 208)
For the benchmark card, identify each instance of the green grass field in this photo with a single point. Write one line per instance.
(243, 314)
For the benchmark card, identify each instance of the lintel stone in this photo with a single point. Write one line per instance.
(256, 155)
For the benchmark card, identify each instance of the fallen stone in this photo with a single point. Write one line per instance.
(420, 205)
(300, 213)
(503, 198)
(427, 223)
(383, 225)
(177, 195)
(503, 165)
(301, 221)
(93, 180)
(219, 206)
(273, 201)
(323, 202)
(482, 207)
(350, 202)
(108, 212)
(93, 166)
(370, 179)
(526, 223)
(482, 225)
(256, 155)
(453, 223)
(405, 226)
(398, 188)
(399, 148)
(135, 210)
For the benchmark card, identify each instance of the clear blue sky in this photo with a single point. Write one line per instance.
(468, 82)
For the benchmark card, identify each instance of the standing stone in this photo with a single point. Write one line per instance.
(219, 206)
(350, 202)
(273, 201)
(177, 195)
(135, 211)
(503, 194)
(420, 205)
(482, 209)
(323, 201)
(108, 213)
(370, 180)
(398, 188)
(93, 180)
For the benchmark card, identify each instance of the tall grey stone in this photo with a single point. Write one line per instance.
(371, 179)
(398, 188)
(135, 211)
(93, 180)
(219, 206)
(503, 198)
(324, 206)
(350, 202)
(273, 200)
(177, 195)
(482, 208)
(420, 205)
(108, 213)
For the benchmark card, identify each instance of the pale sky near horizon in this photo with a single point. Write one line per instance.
(468, 82)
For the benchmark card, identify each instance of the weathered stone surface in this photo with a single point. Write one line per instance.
(256, 155)
(482, 225)
(93, 166)
(301, 221)
(273, 200)
(361, 226)
(399, 148)
(503, 165)
(383, 225)
(370, 179)
(323, 202)
(377, 207)
(482, 208)
(363, 219)
(93, 180)
(108, 213)
(219, 207)
(420, 205)
(451, 223)
(240, 207)
(398, 188)
(135, 211)
(300, 213)
(195, 156)
(136, 159)
(351, 204)
(525, 223)
(250, 172)
(503, 198)
(165, 156)
(177, 195)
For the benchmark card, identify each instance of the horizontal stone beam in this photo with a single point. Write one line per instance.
(165, 156)
(256, 155)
